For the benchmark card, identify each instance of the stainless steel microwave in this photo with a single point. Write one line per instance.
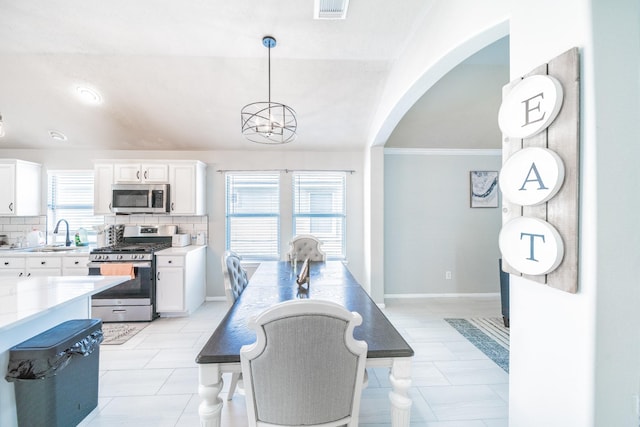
(140, 198)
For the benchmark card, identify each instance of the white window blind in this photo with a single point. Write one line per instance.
(319, 209)
(70, 197)
(253, 214)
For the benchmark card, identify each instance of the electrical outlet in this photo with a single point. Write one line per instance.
(447, 275)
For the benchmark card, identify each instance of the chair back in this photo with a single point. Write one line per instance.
(305, 246)
(305, 367)
(235, 277)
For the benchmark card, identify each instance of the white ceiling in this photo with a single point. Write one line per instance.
(174, 75)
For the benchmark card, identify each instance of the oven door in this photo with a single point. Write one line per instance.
(138, 291)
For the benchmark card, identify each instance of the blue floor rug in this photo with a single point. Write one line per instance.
(483, 341)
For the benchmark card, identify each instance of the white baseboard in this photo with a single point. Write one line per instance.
(216, 299)
(456, 295)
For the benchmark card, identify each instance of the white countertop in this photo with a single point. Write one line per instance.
(180, 250)
(39, 252)
(23, 299)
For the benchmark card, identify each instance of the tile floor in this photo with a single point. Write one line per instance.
(152, 379)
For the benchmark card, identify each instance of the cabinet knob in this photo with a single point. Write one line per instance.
(77, 262)
(6, 263)
(43, 262)
(170, 261)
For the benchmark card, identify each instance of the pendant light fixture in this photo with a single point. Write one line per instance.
(269, 122)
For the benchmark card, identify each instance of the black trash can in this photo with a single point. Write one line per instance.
(55, 374)
(504, 294)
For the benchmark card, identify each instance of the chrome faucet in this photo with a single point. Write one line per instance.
(55, 231)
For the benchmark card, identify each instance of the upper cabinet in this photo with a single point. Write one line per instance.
(186, 188)
(144, 173)
(102, 181)
(186, 179)
(21, 189)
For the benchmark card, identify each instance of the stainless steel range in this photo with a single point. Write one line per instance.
(135, 299)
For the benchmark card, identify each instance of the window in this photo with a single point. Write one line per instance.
(253, 214)
(70, 197)
(319, 209)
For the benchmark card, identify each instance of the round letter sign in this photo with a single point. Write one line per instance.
(530, 107)
(531, 246)
(531, 176)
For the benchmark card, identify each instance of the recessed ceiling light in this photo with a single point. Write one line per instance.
(89, 95)
(58, 136)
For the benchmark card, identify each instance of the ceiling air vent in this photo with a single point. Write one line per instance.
(330, 9)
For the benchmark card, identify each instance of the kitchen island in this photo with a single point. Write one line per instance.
(29, 306)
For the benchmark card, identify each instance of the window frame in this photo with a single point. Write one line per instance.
(231, 213)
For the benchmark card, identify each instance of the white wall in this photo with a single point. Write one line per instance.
(430, 228)
(575, 359)
(245, 160)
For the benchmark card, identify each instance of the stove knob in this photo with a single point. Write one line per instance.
(120, 257)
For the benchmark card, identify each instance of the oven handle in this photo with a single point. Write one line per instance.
(135, 264)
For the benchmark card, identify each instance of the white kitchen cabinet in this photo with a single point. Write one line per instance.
(102, 181)
(21, 189)
(75, 265)
(141, 173)
(39, 266)
(180, 280)
(12, 266)
(187, 188)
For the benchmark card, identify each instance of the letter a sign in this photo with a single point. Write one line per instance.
(531, 176)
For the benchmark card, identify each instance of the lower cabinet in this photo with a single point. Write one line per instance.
(180, 280)
(75, 265)
(33, 265)
(43, 266)
(12, 267)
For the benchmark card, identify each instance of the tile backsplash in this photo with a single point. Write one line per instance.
(186, 224)
(16, 228)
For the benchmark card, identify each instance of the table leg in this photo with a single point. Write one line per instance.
(400, 377)
(210, 409)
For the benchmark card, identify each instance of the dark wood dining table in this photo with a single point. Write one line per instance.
(274, 282)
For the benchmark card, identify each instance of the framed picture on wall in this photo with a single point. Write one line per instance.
(484, 189)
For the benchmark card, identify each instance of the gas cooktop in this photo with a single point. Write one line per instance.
(143, 247)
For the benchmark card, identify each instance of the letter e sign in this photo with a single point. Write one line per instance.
(530, 107)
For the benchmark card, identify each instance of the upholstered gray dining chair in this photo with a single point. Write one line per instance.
(306, 246)
(305, 367)
(235, 280)
(235, 276)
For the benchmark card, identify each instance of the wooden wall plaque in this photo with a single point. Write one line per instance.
(563, 137)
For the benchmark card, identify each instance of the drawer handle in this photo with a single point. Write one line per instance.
(43, 262)
(158, 276)
(77, 262)
(6, 263)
